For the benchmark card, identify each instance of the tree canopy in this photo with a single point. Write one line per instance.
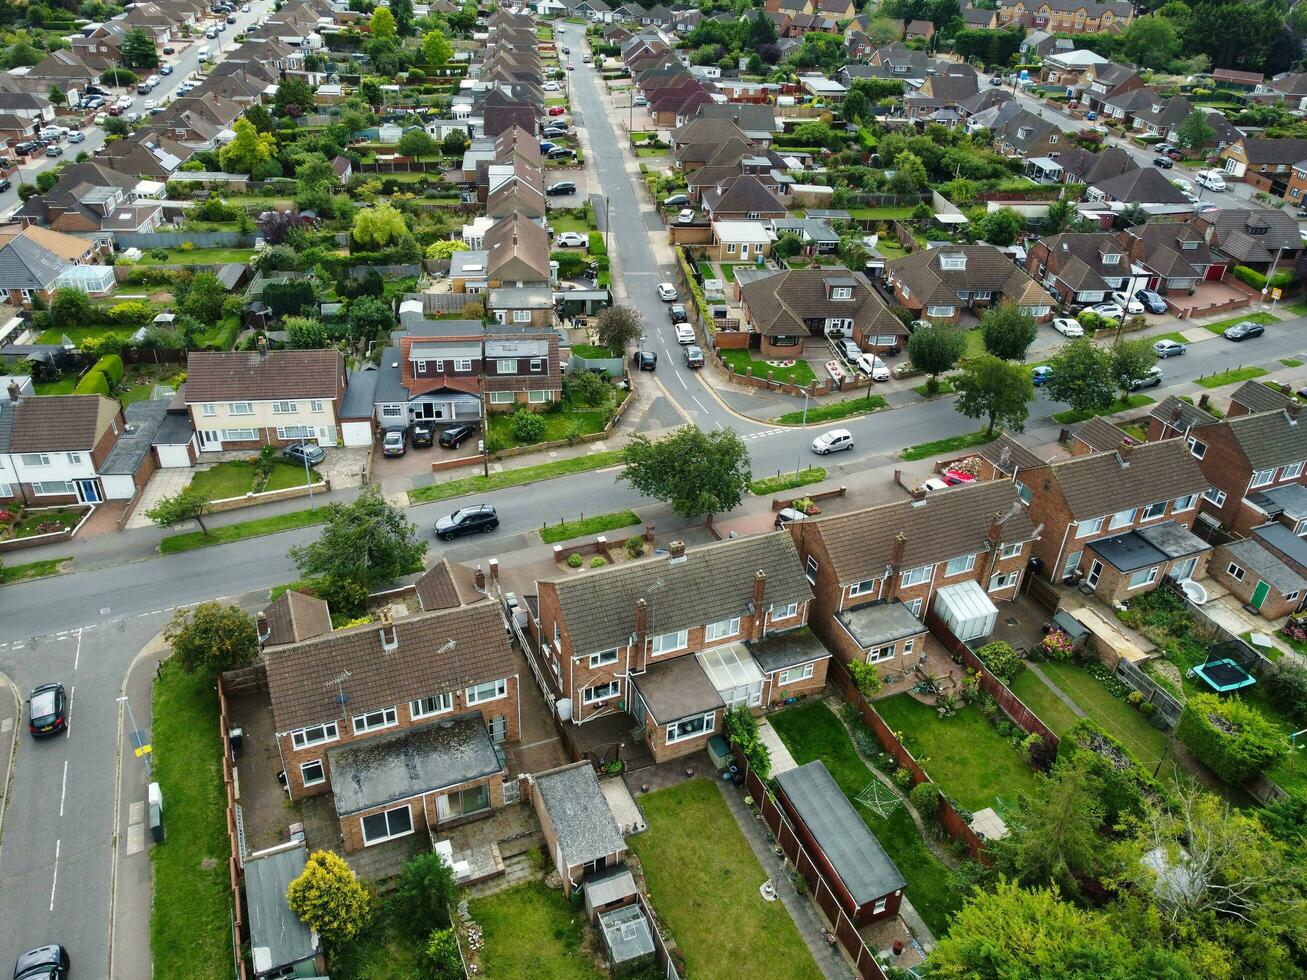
(696, 472)
(368, 541)
(212, 637)
(248, 149)
(936, 349)
(1082, 376)
(1007, 331)
(996, 390)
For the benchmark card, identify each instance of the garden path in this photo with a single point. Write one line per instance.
(1062, 696)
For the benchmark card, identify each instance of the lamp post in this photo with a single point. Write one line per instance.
(308, 477)
(798, 450)
(149, 771)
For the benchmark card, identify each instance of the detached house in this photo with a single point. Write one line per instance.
(1259, 238)
(792, 307)
(1175, 257)
(1081, 267)
(938, 283)
(1265, 163)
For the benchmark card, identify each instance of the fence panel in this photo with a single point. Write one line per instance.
(175, 239)
(1167, 706)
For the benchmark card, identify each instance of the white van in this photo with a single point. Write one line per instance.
(1211, 179)
(204, 55)
(52, 133)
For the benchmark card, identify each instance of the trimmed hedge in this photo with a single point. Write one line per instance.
(595, 244)
(111, 366)
(1233, 740)
(1251, 277)
(1126, 783)
(93, 383)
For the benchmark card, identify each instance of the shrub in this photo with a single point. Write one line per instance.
(1126, 784)
(1135, 698)
(111, 366)
(866, 678)
(1233, 740)
(595, 245)
(93, 383)
(925, 798)
(1286, 687)
(1250, 277)
(598, 561)
(1056, 645)
(902, 777)
(345, 596)
(574, 560)
(635, 548)
(329, 898)
(424, 893)
(742, 731)
(527, 426)
(443, 961)
(1147, 708)
(1003, 661)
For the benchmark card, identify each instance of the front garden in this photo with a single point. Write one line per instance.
(797, 372)
(589, 403)
(238, 477)
(18, 521)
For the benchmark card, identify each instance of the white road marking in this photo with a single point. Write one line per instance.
(77, 654)
(63, 790)
(695, 399)
(68, 722)
(682, 381)
(55, 880)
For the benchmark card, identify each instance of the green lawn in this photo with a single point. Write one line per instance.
(1290, 362)
(833, 411)
(812, 731)
(1039, 698)
(382, 951)
(965, 754)
(704, 882)
(190, 540)
(563, 422)
(799, 373)
(32, 569)
(1174, 335)
(200, 256)
(568, 222)
(781, 482)
(1116, 716)
(222, 335)
(1297, 309)
(64, 386)
(591, 352)
(945, 388)
(30, 525)
(136, 392)
(79, 335)
(235, 478)
(951, 444)
(515, 477)
(190, 924)
(567, 530)
(1230, 377)
(531, 931)
(1221, 325)
(880, 214)
(1072, 415)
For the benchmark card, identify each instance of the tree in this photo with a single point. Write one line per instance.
(1151, 42)
(204, 298)
(1130, 361)
(138, 50)
(445, 248)
(212, 638)
(70, 307)
(436, 50)
(295, 92)
(909, 174)
(936, 350)
(329, 898)
(185, 505)
(994, 389)
(455, 143)
(275, 226)
(443, 961)
(1062, 216)
(698, 473)
(383, 24)
(369, 318)
(856, 106)
(1195, 131)
(259, 118)
(761, 30)
(119, 77)
(417, 143)
(424, 893)
(1131, 215)
(378, 227)
(403, 14)
(367, 541)
(306, 333)
(1001, 227)
(248, 149)
(1082, 376)
(618, 327)
(1007, 332)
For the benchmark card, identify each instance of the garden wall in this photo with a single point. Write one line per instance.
(269, 496)
(146, 240)
(54, 537)
(234, 857)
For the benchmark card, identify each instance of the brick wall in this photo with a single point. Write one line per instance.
(422, 811)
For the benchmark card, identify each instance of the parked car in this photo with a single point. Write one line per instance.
(1152, 301)
(996, 82)
(1041, 374)
(916, 325)
(571, 67)
(1243, 330)
(231, 19)
(873, 366)
(1168, 348)
(557, 129)
(1166, 163)
(47, 710)
(562, 187)
(1127, 302)
(1091, 115)
(466, 520)
(685, 217)
(5, 184)
(54, 151)
(456, 435)
(646, 360)
(1211, 179)
(832, 441)
(1112, 311)
(305, 452)
(676, 201)
(955, 477)
(1068, 327)
(392, 443)
(677, 313)
(165, 70)
(423, 434)
(667, 292)
(684, 334)
(639, 101)
(787, 516)
(1150, 380)
(211, 33)
(933, 484)
(561, 153)
(565, 49)
(570, 239)
(694, 356)
(557, 110)
(169, 49)
(44, 963)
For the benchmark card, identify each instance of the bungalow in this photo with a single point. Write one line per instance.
(35, 261)
(744, 197)
(1175, 257)
(1081, 268)
(1265, 163)
(740, 241)
(939, 283)
(1259, 238)
(1144, 186)
(797, 306)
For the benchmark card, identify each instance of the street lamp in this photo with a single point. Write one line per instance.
(308, 479)
(149, 771)
(798, 450)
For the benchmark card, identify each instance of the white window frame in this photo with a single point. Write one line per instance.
(301, 739)
(284, 408)
(240, 408)
(865, 587)
(878, 655)
(1236, 572)
(810, 570)
(305, 781)
(960, 565)
(521, 316)
(315, 405)
(473, 694)
(1262, 477)
(537, 397)
(1215, 496)
(1085, 528)
(841, 292)
(790, 609)
(1196, 447)
(52, 488)
(1149, 577)
(1002, 580)
(298, 432)
(1011, 550)
(1187, 502)
(598, 693)
(34, 459)
(681, 639)
(208, 410)
(792, 675)
(462, 364)
(940, 311)
(722, 629)
(432, 705)
(392, 411)
(603, 658)
(1153, 511)
(375, 721)
(709, 719)
(501, 398)
(238, 435)
(916, 576)
(915, 606)
(1121, 518)
(390, 835)
(506, 365)
(1292, 471)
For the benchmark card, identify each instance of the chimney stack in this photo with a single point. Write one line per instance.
(13, 391)
(1291, 412)
(1123, 452)
(759, 610)
(494, 569)
(263, 346)
(479, 579)
(641, 634)
(995, 531)
(262, 627)
(895, 566)
(389, 634)
(676, 549)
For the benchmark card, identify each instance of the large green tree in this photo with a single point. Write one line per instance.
(368, 541)
(329, 898)
(1007, 332)
(996, 390)
(247, 150)
(185, 505)
(1082, 376)
(1151, 42)
(203, 298)
(138, 50)
(936, 350)
(1130, 362)
(379, 226)
(1195, 132)
(212, 637)
(293, 95)
(383, 24)
(436, 50)
(696, 472)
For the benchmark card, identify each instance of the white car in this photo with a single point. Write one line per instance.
(551, 87)
(1211, 179)
(1068, 327)
(685, 217)
(832, 441)
(872, 365)
(934, 483)
(684, 333)
(1112, 311)
(570, 239)
(667, 292)
(639, 100)
(1127, 301)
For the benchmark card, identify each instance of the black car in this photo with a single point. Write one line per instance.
(693, 356)
(5, 184)
(1244, 330)
(47, 710)
(43, 963)
(455, 435)
(562, 187)
(1166, 163)
(466, 520)
(677, 313)
(305, 452)
(423, 435)
(561, 153)
(646, 360)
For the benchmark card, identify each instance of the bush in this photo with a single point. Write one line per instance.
(129, 313)
(1135, 698)
(93, 383)
(111, 366)
(595, 245)
(925, 798)
(329, 898)
(425, 891)
(866, 678)
(598, 561)
(1003, 661)
(1250, 277)
(345, 596)
(742, 731)
(1233, 740)
(1286, 687)
(527, 426)
(1126, 784)
(574, 560)
(902, 777)
(635, 548)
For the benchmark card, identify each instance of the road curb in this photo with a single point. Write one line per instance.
(7, 759)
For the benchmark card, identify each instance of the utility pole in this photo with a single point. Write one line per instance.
(149, 770)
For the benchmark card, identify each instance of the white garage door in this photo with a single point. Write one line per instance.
(356, 433)
(171, 457)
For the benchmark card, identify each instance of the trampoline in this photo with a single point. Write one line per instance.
(1228, 667)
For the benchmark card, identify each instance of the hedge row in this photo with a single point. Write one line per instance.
(93, 383)
(1233, 740)
(1251, 277)
(1126, 783)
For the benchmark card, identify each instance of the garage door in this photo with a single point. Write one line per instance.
(356, 433)
(1215, 273)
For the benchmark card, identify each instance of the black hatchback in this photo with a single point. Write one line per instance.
(454, 436)
(47, 710)
(43, 963)
(479, 517)
(423, 434)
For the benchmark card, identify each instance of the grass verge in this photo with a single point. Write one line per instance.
(1223, 378)
(598, 524)
(834, 411)
(190, 540)
(190, 922)
(1220, 326)
(698, 862)
(944, 387)
(787, 481)
(532, 931)
(1290, 362)
(32, 569)
(1072, 415)
(513, 478)
(951, 444)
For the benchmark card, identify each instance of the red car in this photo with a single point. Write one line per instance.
(954, 477)
(557, 110)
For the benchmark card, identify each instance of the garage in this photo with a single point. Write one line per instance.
(1215, 272)
(356, 433)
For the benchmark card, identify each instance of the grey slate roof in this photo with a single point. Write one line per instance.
(133, 445)
(1100, 434)
(712, 583)
(788, 649)
(1104, 483)
(1253, 556)
(1007, 455)
(1289, 499)
(26, 265)
(1257, 397)
(390, 768)
(1280, 539)
(1145, 185)
(583, 821)
(880, 623)
(851, 848)
(1165, 411)
(273, 926)
(1270, 439)
(360, 394)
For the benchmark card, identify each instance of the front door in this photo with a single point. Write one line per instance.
(1259, 595)
(210, 440)
(1095, 570)
(88, 491)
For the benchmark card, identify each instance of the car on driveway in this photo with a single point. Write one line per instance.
(1151, 380)
(1168, 348)
(423, 435)
(667, 292)
(557, 129)
(1127, 302)
(54, 151)
(305, 452)
(570, 239)
(646, 360)
(686, 216)
(169, 49)
(455, 435)
(557, 110)
(787, 516)
(562, 187)
(1152, 301)
(47, 710)
(561, 153)
(1040, 375)
(832, 441)
(694, 356)
(677, 313)
(467, 520)
(1068, 327)
(684, 334)
(1243, 330)
(933, 484)
(639, 101)
(44, 963)
(551, 87)
(1111, 311)
(1164, 162)
(676, 201)
(392, 443)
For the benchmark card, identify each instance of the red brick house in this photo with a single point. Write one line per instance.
(797, 306)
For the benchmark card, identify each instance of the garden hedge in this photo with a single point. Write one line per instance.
(111, 366)
(93, 383)
(1126, 783)
(1232, 739)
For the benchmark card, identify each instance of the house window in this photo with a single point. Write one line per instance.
(34, 459)
(1111, 258)
(793, 675)
(730, 248)
(240, 408)
(1010, 550)
(521, 316)
(238, 435)
(490, 691)
(1072, 563)
(812, 570)
(1263, 477)
(537, 397)
(915, 606)
(785, 612)
(294, 432)
(1154, 511)
(437, 704)
(721, 629)
(312, 773)
(1236, 571)
(879, 907)
(283, 408)
(537, 364)
(862, 588)
(670, 642)
(462, 364)
(419, 367)
(209, 410)
(1185, 503)
(841, 292)
(915, 576)
(879, 654)
(953, 261)
(501, 398)
(1121, 518)
(1003, 580)
(957, 566)
(1085, 528)
(1290, 596)
(1215, 496)
(1291, 472)
(387, 825)
(463, 802)
(375, 720)
(600, 692)
(1145, 576)
(939, 311)
(603, 657)
(315, 405)
(506, 366)
(1199, 449)
(52, 488)
(391, 411)
(304, 738)
(1023, 491)
(679, 731)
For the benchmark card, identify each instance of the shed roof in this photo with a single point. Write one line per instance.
(1252, 555)
(583, 821)
(277, 936)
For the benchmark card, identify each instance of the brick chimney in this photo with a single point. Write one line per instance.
(14, 391)
(389, 634)
(494, 569)
(641, 634)
(676, 549)
(895, 565)
(479, 579)
(262, 627)
(1291, 412)
(1124, 451)
(759, 610)
(263, 346)
(995, 531)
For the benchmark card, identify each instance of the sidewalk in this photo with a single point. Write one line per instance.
(11, 719)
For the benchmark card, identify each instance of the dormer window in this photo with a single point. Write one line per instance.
(1188, 246)
(1111, 258)
(841, 292)
(953, 261)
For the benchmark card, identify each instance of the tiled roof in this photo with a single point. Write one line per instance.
(1269, 439)
(446, 585)
(1274, 151)
(224, 376)
(779, 304)
(1006, 454)
(1179, 414)
(1257, 397)
(1145, 185)
(1266, 566)
(301, 678)
(60, 423)
(294, 617)
(1104, 483)
(986, 268)
(1100, 434)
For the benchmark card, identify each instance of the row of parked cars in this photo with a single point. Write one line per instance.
(422, 435)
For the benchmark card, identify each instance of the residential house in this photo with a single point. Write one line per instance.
(1125, 106)
(675, 640)
(1160, 116)
(52, 447)
(1288, 87)
(1070, 68)
(939, 283)
(1253, 396)
(879, 572)
(1172, 418)
(1019, 132)
(1259, 238)
(977, 19)
(1264, 572)
(1144, 186)
(1175, 257)
(29, 106)
(146, 154)
(581, 837)
(1074, 165)
(797, 306)
(1243, 81)
(1119, 521)
(89, 197)
(817, 235)
(244, 400)
(401, 721)
(35, 261)
(1081, 268)
(757, 122)
(922, 30)
(1068, 16)
(742, 198)
(940, 99)
(740, 241)
(1095, 435)
(1107, 80)
(1036, 43)
(522, 193)
(1265, 163)
(837, 9)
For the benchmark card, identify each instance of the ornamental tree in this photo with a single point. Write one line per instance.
(696, 472)
(212, 637)
(185, 505)
(329, 898)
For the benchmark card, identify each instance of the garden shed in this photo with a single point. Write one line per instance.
(966, 610)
